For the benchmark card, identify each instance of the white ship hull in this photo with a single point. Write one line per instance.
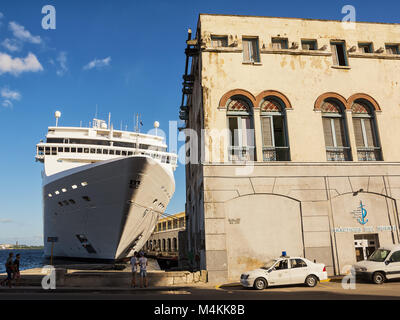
(105, 210)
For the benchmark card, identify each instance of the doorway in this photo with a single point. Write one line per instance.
(365, 245)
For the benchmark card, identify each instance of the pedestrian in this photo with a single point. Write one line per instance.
(134, 263)
(143, 270)
(9, 270)
(17, 275)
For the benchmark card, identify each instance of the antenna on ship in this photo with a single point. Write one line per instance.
(95, 116)
(156, 125)
(109, 120)
(57, 115)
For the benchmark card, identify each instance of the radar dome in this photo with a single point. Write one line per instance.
(57, 114)
(156, 124)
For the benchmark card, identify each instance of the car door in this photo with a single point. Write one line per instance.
(393, 268)
(298, 271)
(279, 274)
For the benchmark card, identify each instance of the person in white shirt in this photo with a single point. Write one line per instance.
(143, 270)
(134, 263)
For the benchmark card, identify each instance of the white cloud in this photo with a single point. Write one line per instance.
(20, 33)
(12, 45)
(10, 94)
(97, 63)
(6, 104)
(16, 66)
(5, 221)
(62, 60)
(8, 97)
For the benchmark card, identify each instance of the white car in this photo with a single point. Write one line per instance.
(381, 265)
(284, 271)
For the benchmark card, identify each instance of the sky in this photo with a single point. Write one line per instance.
(126, 57)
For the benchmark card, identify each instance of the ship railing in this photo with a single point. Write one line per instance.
(47, 149)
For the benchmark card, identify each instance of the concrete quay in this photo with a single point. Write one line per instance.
(109, 278)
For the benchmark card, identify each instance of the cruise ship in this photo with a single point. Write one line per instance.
(103, 189)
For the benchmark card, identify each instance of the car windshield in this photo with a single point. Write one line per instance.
(379, 255)
(269, 264)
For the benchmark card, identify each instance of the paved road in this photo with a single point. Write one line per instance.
(324, 291)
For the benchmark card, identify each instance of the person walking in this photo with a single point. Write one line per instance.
(9, 270)
(134, 263)
(143, 270)
(17, 275)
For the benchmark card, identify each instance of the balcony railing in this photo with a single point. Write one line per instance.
(246, 153)
(338, 154)
(276, 153)
(369, 154)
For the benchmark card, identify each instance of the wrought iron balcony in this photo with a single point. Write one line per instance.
(369, 154)
(246, 153)
(338, 154)
(276, 153)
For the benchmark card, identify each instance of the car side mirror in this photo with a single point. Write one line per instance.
(387, 262)
(272, 269)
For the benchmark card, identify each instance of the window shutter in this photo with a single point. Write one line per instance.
(254, 50)
(358, 132)
(334, 54)
(326, 122)
(369, 132)
(233, 128)
(266, 131)
(246, 50)
(339, 132)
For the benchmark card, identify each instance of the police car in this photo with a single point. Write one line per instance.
(285, 271)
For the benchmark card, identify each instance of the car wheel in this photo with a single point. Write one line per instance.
(378, 278)
(260, 284)
(311, 281)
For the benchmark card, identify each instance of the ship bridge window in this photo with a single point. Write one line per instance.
(86, 150)
(47, 151)
(54, 151)
(60, 149)
(98, 150)
(92, 150)
(79, 150)
(124, 144)
(143, 146)
(54, 140)
(67, 149)
(118, 152)
(124, 153)
(130, 153)
(105, 151)
(111, 151)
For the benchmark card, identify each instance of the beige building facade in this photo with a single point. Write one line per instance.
(295, 124)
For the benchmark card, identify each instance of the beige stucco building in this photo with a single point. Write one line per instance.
(298, 125)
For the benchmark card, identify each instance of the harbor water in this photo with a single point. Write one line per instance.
(29, 258)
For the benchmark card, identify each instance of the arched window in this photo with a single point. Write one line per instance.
(335, 131)
(241, 128)
(365, 131)
(169, 245)
(274, 130)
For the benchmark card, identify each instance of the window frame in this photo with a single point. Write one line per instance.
(217, 38)
(362, 45)
(254, 43)
(309, 41)
(281, 41)
(393, 45)
(335, 54)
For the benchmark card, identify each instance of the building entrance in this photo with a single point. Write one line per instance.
(365, 245)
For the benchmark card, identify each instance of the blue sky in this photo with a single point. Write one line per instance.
(124, 56)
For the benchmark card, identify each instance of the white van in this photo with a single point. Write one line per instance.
(383, 264)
